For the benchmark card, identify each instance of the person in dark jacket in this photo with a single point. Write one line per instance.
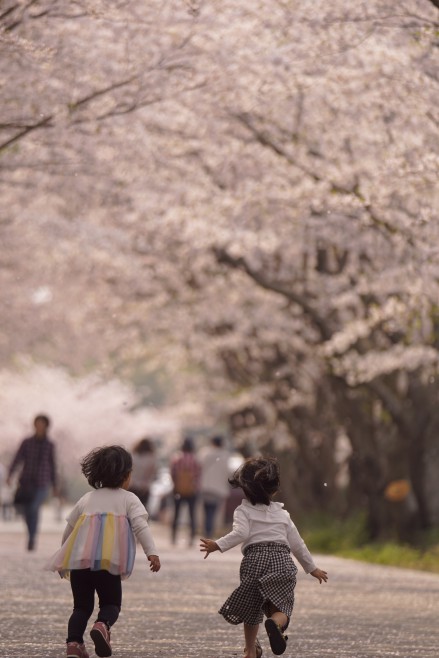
(36, 459)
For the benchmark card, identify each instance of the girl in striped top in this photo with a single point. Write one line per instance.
(98, 547)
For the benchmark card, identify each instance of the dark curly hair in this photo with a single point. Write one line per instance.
(259, 478)
(107, 467)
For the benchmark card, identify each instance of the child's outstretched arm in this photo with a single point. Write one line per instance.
(208, 546)
(320, 575)
(238, 534)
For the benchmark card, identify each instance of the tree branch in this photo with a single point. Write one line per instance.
(263, 138)
(386, 228)
(240, 263)
(26, 130)
(390, 401)
(100, 92)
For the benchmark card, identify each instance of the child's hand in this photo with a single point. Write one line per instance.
(208, 546)
(320, 575)
(154, 562)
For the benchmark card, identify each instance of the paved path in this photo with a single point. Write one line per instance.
(363, 612)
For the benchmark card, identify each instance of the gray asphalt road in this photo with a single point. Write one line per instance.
(363, 612)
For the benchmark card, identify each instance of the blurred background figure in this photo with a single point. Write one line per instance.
(235, 495)
(6, 496)
(214, 487)
(61, 498)
(185, 473)
(36, 459)
(144, 469)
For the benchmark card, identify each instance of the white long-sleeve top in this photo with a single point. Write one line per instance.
(253, 524)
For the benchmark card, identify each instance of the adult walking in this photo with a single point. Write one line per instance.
(144, 469)
(185, 473)
(214, 460)
(36, 458)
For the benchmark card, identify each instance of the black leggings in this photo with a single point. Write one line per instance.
(85, 583)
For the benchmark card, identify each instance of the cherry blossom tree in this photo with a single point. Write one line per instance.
(244, 195)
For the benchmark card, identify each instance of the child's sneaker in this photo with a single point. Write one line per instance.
(76, 650)
(100, 635)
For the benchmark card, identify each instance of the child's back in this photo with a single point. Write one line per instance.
(102, 523)
(258, 523)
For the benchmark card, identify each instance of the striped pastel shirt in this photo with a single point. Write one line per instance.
(100, 534)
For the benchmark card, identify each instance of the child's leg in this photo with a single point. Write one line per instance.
(280, 618)
(83, 590)
(275, 624)
(109, 589)
(250, 635)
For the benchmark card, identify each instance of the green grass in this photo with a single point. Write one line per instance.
(396, 555)
(348, 539)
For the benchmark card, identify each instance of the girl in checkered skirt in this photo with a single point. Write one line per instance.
(268, 573)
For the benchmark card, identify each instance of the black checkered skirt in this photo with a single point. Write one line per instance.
(268, 575)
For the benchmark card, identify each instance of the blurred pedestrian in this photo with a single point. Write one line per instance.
(61, 498)
(185, 473)
(98, 547)
(6, 496)
(214, 487)
(144, 469)
(36, 458)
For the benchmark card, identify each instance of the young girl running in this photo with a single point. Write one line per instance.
(98, 547)
(268, 574)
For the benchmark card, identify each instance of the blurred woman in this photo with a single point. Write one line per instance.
(144, 469)
(214, 485)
